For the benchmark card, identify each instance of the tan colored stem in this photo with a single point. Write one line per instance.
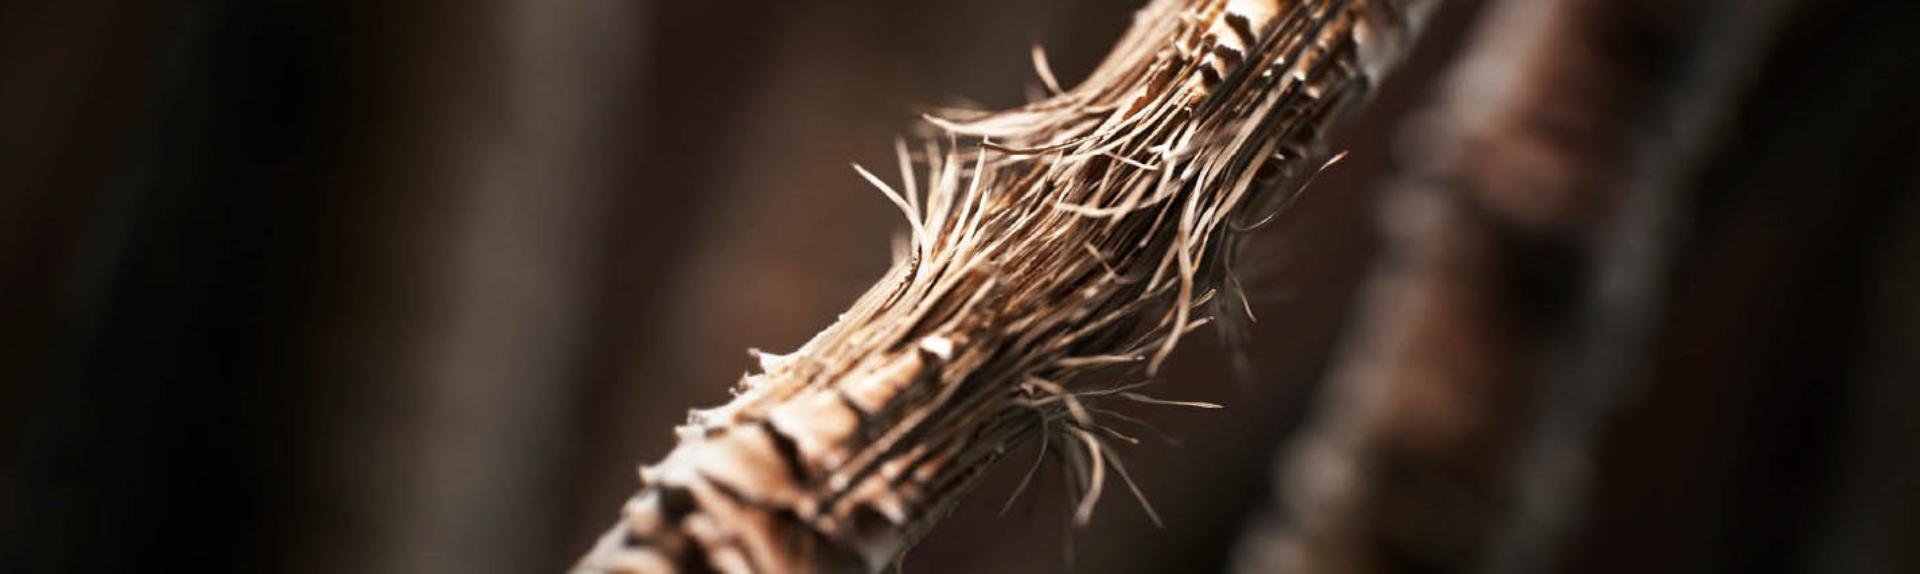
(1060, 251)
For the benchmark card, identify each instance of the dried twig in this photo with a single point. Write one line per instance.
(1058, 247)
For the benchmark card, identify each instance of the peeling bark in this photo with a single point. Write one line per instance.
(1060, 248)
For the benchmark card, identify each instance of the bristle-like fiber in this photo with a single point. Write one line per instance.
(1058, 248)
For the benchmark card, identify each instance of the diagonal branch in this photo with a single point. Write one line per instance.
(1059, 248)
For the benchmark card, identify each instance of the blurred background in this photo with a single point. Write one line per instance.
(375, 286)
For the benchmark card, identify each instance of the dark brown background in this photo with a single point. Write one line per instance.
(371, 286)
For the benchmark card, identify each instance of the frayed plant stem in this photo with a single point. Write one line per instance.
(1059, 247)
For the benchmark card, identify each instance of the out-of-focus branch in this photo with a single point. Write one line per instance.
(1527, 243)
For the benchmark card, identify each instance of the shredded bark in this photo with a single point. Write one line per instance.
(1057, 254)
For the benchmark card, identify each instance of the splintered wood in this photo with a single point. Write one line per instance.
(1057, 254)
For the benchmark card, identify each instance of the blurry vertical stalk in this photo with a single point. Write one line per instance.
(495, 376)
(1059, 252)
(309, 273)
(1528, 243)
(451, 337)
